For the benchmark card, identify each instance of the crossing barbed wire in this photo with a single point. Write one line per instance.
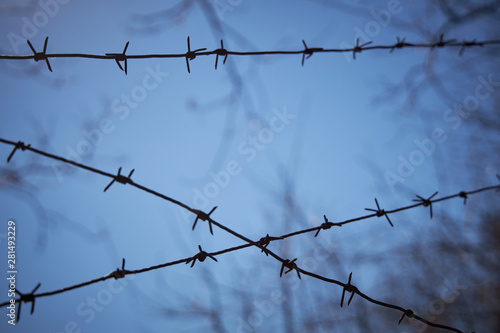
(190, 55)
(263, 243)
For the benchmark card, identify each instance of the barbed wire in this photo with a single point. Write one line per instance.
(263, 243)
(190, 55)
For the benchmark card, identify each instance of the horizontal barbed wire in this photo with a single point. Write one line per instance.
(290, 265)
(307, 52)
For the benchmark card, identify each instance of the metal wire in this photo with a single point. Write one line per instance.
(190, 55)
(288, 264)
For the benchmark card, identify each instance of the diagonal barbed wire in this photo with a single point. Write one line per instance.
(263, 243)
(306, 53)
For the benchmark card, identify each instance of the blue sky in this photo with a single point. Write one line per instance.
(337, 128)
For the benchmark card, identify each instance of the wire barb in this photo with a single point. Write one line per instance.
(220, 52)
(426, 202)
(121, 179)
(400, 43)
(358, 48)
(19, 145)
(291, 265)
(309, 51)
(468, 44)
(37, 56)
(380, 212)
(442, 42)
(264, 242)
(326, 225)
(408, 313)
(200, 256)
(120, 57)
(350, 289)
(120, 273)
(462, 194)
(191, 55)
(204, 217)
(26, 298)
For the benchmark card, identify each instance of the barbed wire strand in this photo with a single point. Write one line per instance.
(262, 243)
(190, 55)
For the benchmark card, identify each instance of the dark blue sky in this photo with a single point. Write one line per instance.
(340, 131)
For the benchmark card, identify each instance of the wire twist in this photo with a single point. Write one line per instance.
(120, 273)
(191, 55)
(19, 145)
(380, 212)
(121, 179)
(291, 265)
(426, 202)
(200, 256)
(204, 217)
(37, 56)
(26, 298)
(326, 225)
(120, 57)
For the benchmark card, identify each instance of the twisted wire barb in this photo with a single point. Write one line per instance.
(26, 298)
(306, 52)
(37, 56)
(120, 57)
(426, 202)
(380, 212)
(262, 243)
